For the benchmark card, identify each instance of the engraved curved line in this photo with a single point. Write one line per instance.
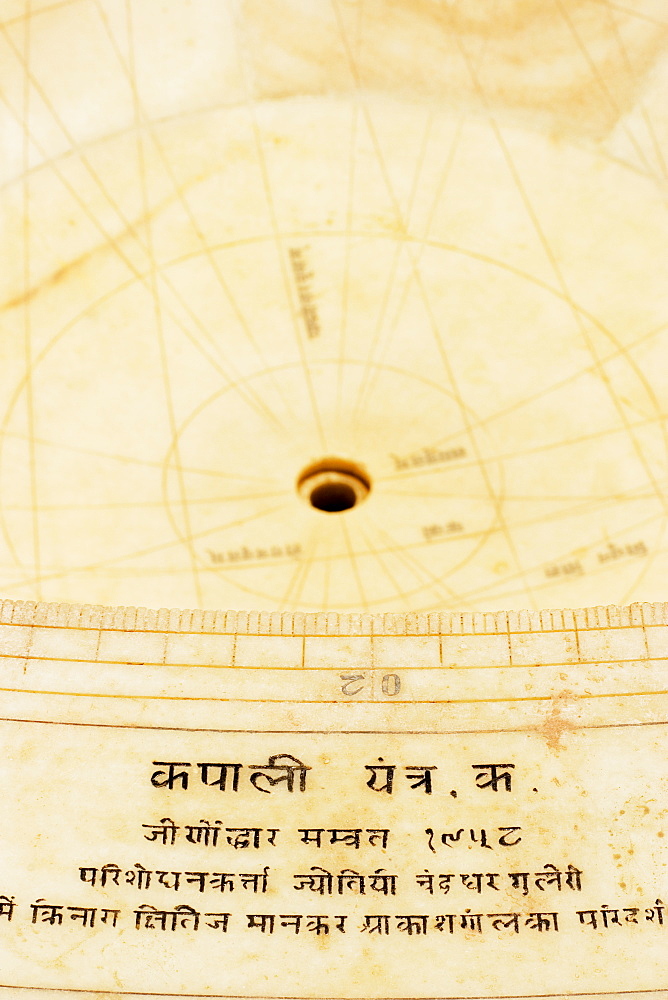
(433, 323)
(300, 667)
(110, 620)
(196, 113)
(497, 589)
(150, 504)
(399, 550)
(556, 292)
(433, 581)
(143, 277)
(140, 553)
(328, 701)
(130, 459)
(27, 317)
(180, 194)
(434, 470)
(20, 387)
(111, 242)
(553, 262)
(390, 548)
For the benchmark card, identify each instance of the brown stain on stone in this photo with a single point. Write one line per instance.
(569, 62)
(51, 280)
(113, 242)
(555, 725)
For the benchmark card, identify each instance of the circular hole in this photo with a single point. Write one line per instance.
(333, 485)
(333, 497)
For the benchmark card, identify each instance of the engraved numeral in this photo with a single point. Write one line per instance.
(391, 685)
(352, 684)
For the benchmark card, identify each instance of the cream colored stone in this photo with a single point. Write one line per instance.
(518, 852)
(423, 242)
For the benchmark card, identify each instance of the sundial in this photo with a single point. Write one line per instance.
(350, 317)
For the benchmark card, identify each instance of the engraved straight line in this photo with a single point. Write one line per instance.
(464, 251)
(559, 276)
(599, 79)
(353, 561)
(499, 588)
(566, 511)
(369, 375)
(556, 291)
(345, 284)
(391, 547)
(127, 69)
(140, 553)
(27, 305)
(278, 238)
(435, 330)
(299, 576)
(635, 81)
(503, 589)
(30, 15)
(158, 316)
(639, 15)
(112, 243)
(510, 455)
(130, 459)
(383, 566)
(214, 500)
(656, 146)
(436, 584)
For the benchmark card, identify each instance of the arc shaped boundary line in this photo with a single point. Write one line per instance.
(229, 996)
